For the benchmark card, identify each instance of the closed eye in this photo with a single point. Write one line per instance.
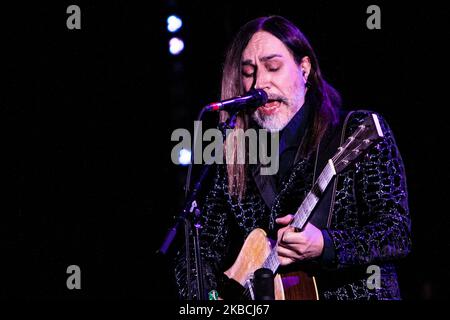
(248, 70)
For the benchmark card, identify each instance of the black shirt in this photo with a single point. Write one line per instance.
(290, 139)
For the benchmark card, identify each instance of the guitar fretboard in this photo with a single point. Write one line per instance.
(305, 210)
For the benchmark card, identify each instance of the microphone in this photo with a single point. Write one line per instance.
(252, 99)
(263, 284)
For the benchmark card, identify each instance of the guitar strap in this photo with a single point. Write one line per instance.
(330, 142)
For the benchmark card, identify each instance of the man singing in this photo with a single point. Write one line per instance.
(362, 219)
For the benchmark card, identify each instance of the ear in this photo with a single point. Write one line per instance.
(305, 67)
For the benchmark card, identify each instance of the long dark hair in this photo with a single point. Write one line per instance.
(327, 99)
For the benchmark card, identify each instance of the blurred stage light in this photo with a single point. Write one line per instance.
(185, 157)
(176, 45)
(174, 23)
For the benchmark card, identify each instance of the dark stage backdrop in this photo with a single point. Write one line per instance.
(86, 119)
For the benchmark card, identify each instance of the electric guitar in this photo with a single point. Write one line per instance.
(258, 251)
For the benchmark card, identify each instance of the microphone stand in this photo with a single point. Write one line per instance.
(192, 212)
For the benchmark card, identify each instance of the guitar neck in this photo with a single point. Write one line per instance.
(312, 198)
(304, 211)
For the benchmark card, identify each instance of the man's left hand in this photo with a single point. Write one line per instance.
(295, 246)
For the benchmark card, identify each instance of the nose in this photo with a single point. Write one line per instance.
(262, 80)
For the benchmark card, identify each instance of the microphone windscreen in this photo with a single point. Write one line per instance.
(263, 284)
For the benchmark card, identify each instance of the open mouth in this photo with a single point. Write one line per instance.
(270, 107)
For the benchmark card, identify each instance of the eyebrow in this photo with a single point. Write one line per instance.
(262, 59)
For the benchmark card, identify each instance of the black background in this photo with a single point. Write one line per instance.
(87, 115)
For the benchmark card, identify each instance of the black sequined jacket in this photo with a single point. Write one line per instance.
(369, 223)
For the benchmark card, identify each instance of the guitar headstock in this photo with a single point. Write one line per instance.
(367, 134)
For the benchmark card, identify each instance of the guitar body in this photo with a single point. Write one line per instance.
(290, 286)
